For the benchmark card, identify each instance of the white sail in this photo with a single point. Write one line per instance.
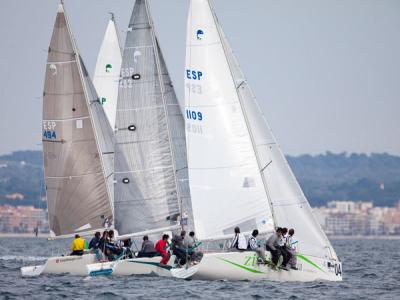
(107, 72)
(289, 205)
(225, 180)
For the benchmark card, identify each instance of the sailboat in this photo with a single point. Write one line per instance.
(77, 151)
(237, 172)
(107, 71)
(151, 179)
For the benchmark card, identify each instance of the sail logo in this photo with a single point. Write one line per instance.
(199, 34)
(108, 68)
(103, 100)
(53, 69)
(194, 75)
(49, 130)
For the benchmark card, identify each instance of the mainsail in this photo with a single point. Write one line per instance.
(226, 185)
(287, 203)
(150, 153)
(77, 140)
(106, 75)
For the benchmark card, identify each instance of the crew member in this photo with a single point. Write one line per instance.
(253, 245)
(161, 247)
(239, 241)
(78, 245)
(147, 249)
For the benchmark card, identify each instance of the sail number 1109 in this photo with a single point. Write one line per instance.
(194, 115)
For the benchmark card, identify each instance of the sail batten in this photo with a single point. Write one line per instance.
(150, 140)
(74, 166)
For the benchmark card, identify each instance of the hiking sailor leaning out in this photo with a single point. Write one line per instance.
(239, 241)
(254, 246)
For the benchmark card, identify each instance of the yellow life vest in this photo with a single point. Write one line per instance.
(78, 244)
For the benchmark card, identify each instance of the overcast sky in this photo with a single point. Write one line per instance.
(326, 72)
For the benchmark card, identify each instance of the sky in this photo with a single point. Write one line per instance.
(326, 72)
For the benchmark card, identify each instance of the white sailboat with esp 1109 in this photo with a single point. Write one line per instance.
(237, 173)
(77, 152)
(151, 179)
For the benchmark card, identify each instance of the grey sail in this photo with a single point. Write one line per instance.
(150, 152)
(75, 137)
(289, 205)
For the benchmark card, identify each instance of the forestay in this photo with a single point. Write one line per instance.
(226, 185)
(106, 75)
(77, 140)
(150, 161)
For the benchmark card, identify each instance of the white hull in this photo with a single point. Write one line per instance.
(74, 265)
(243, 266)
(132, 266)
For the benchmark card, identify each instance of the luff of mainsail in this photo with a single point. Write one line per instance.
(77, 146)
(226, 185)
(107, 71)
(150, 150)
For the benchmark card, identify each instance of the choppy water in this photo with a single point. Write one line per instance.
(371, 270)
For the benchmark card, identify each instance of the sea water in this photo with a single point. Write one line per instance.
(371, 270)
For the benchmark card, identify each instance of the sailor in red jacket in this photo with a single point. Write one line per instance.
(161, 247)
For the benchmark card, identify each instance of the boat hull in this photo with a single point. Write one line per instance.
(74, 265)
(243, 266)
(132, 266)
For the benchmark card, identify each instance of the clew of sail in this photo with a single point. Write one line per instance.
(107, 71)
(150, 153)
(226, 185)
(74, 140)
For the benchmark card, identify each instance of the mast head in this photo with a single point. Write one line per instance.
(61, 6)
(112, 16)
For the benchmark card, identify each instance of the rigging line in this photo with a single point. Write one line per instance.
(60, 62)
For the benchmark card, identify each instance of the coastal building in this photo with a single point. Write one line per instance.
(22, 219)
(358, 218)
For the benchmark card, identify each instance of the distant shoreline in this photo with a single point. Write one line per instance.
(332, 237)
(24, 235)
